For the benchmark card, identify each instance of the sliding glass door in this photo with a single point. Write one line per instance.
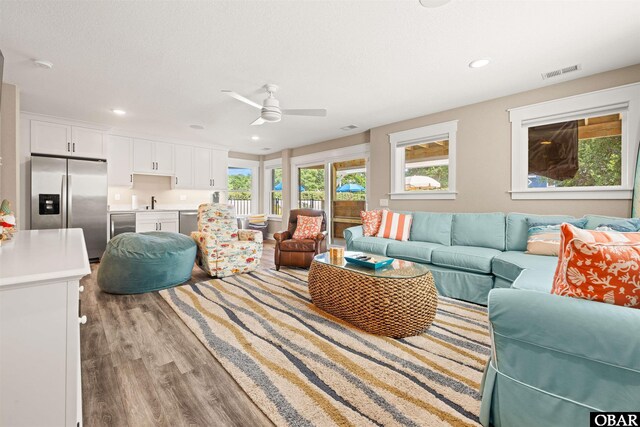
(311, 187)
(348, 194)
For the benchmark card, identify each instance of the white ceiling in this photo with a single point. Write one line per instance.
(368, 62)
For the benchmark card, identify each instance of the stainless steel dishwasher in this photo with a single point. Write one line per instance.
(121, 223)
(188, 222)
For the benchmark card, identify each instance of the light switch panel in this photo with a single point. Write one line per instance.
(384, 202)
(116, 196)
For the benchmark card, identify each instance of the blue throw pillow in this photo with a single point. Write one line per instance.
(623, 225)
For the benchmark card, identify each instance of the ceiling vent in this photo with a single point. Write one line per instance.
(348, 128)
(561, 71)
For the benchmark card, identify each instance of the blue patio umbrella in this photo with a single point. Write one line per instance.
(350, 188)
(278, 187)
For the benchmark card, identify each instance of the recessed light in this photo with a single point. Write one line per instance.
(433, 3)
(479, 63)
(41, 63)
(349, 127)
(199, 127)
(118, 112)
(255, 137)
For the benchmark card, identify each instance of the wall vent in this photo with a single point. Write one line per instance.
(561, 71)
(348, 128)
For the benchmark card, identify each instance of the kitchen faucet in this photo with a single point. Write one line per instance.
(153, 202)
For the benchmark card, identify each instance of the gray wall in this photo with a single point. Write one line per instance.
(484, 154)
(10, 148)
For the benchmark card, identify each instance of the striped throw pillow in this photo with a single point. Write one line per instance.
(395, 226)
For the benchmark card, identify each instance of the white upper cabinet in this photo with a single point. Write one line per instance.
(152, 157)
(210, 169)
(143, 156)
(219, 165)
(87, 142)
(50, 138)
(184, 167)
(120, 160)
(65, 140)
(163, 155)
(201, 168)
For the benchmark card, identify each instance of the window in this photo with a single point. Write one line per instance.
(240, 185)
(423, 162)
(576, 153)
(275, 192)
(576, 148)
(311, 187)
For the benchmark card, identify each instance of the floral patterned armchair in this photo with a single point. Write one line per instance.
(223, 250)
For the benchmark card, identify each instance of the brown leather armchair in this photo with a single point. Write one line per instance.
(300, 253)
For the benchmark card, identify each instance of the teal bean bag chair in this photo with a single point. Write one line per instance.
(135, 263)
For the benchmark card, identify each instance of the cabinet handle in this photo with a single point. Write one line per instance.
(83, 320)
(69, 146)
(213, 182)
(131, 178)
(160, 224)
(74, 147)
(176, 180)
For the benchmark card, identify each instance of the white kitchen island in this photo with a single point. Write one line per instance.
(40, 272)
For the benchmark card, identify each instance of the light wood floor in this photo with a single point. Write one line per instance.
(141, 366)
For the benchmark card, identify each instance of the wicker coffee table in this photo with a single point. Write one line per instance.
(395, 301)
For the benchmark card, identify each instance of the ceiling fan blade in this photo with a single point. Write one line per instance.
(242, 98)
(258, 121)
(319, 112)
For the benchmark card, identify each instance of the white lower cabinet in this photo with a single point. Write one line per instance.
(40, 321)
(157, 221)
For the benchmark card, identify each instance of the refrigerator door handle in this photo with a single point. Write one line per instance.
(113, 228)
(69, 204)
(63, 202)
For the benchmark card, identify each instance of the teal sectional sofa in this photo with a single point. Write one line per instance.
(470, 253)
(554, 359)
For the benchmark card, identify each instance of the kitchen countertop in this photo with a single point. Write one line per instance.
(36, 255)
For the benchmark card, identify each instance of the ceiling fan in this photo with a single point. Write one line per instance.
(270, 110)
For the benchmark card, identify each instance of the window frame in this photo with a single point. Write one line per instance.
(623, 99)
(268, 167)
(400, 140)
(255, 180)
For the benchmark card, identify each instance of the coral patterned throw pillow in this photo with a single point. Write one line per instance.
(371, 222)
(308, 227)
(395, 226)
(599, 266)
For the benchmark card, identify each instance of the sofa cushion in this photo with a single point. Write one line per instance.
(517, 227)
(373, 245)
(298, 245)
(594, 221)
(539, 280)
(412, 251)
(508, 265)
(486, 230)
(432, 227)
(467, 258)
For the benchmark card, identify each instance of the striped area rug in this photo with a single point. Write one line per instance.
(303, 367)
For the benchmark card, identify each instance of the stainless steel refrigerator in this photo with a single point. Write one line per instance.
(71, 193)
